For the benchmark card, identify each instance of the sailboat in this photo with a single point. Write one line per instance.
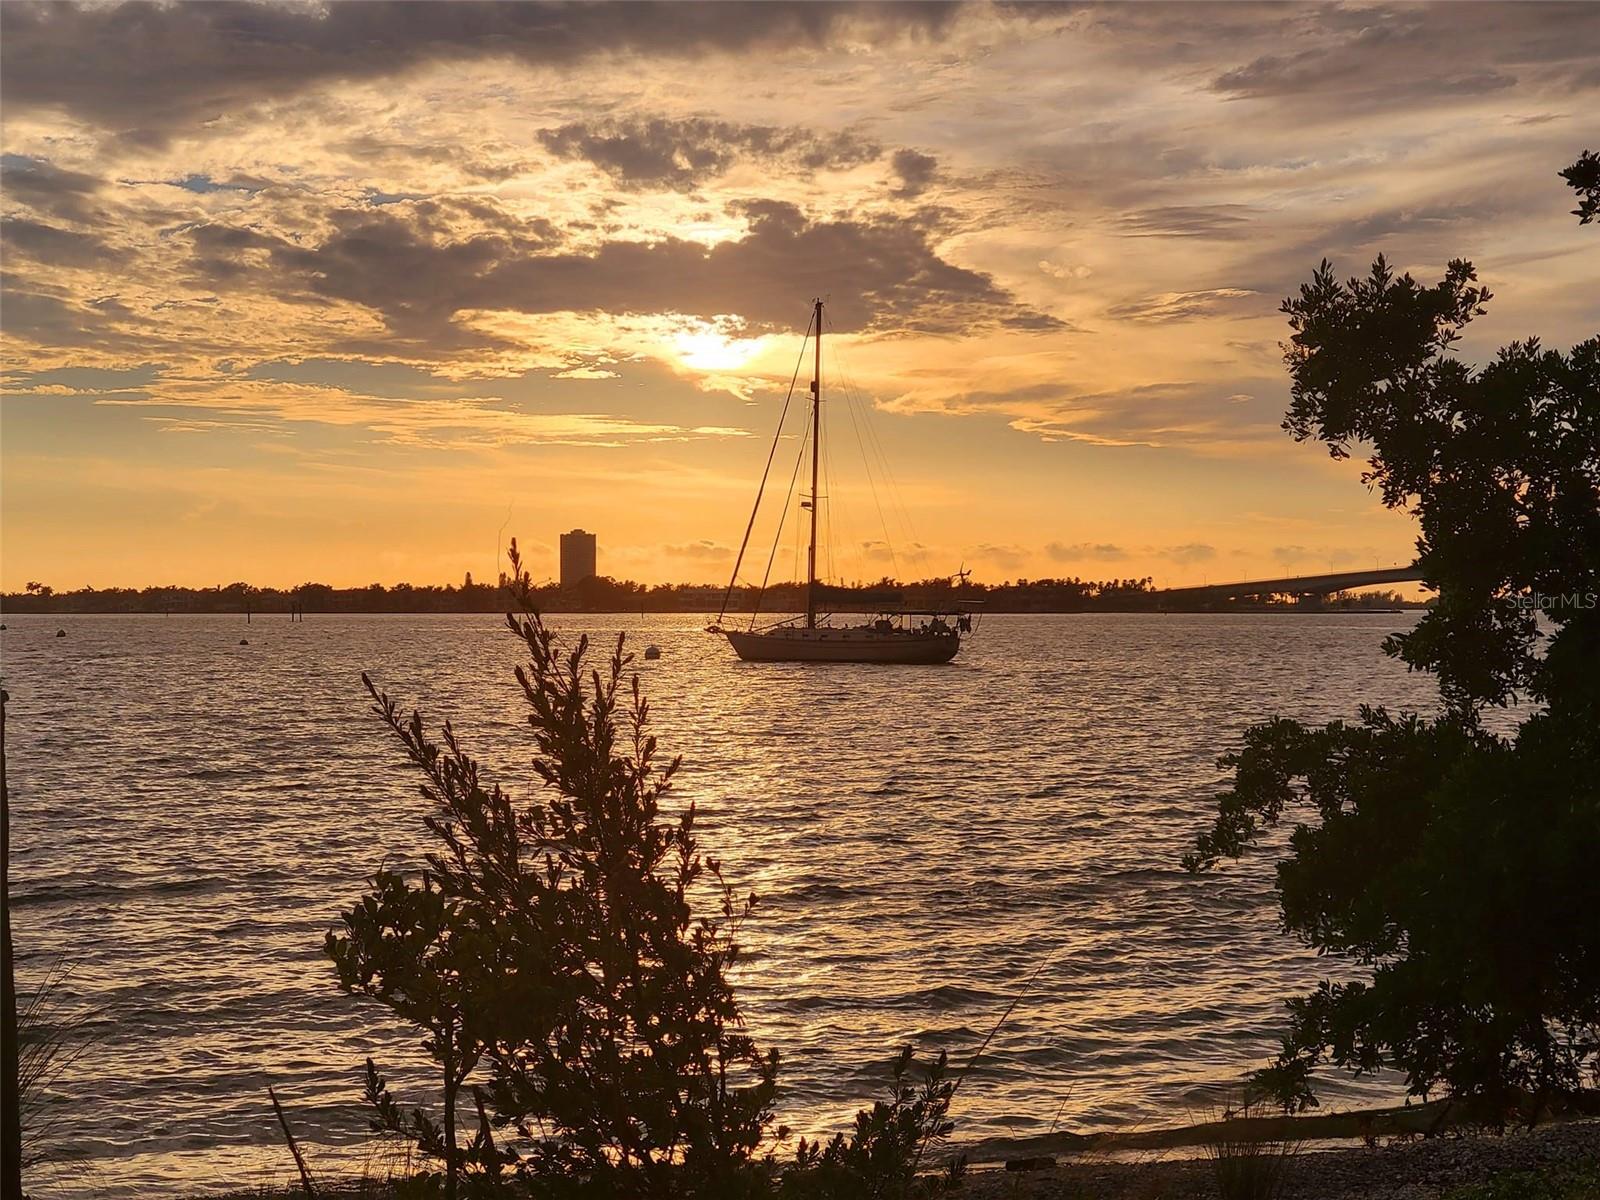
(892, 636)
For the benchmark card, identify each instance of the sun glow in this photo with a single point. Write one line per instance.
(711, 350)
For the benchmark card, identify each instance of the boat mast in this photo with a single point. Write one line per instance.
(816, 443)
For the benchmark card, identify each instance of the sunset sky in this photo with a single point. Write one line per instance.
(356, 292)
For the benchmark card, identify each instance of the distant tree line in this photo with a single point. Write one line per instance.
(604, 594)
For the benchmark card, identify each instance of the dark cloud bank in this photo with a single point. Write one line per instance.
(882, 273)
(148, 69)
(419, 264)
(682, 154)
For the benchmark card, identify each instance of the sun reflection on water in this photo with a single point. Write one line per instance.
(920, 840)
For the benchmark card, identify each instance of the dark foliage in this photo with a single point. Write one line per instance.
(1457, 865)
(556, 940)
(1245, 1165)
(480, 1168)
(1583, 177)
(550, 949)
(881, 1157)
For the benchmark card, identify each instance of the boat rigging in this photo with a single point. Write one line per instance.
(893, 636)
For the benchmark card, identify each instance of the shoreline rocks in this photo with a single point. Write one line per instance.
(1400, 1170)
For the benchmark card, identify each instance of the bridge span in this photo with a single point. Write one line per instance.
(1297, 585)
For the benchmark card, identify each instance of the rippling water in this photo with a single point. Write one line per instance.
(190, 815)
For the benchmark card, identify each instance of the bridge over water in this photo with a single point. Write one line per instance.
(1296, 585)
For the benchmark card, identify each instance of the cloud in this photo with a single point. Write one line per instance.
(1006, 556)
(1290, 555)
(477, 163)
(1068, 431)
(82, 381)
(97, 61)
(48, 189)
(878, 551)
(1181, 306)
(683, 154)
(47, 243)
(915, 172)
(1331, 558)
(1356, 58)
(703, 550)
(1189, 553)
(1311, 71)
(410, 264)
(43, 314)
(1188, 220)
(1057, 271)
(438, 422)
(1317, 66)
(1190, 414)
(587, 373)
(1085, 551)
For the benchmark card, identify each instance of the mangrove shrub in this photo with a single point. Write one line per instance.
(1457, 864)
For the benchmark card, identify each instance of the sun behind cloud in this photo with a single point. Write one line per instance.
(707, 348)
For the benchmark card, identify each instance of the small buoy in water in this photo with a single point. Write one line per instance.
(652, 652)
(244, 641)
(61, 633)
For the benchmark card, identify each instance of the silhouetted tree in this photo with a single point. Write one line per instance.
(1458, 865)
(557, 939)
(1583, 177)
(552, 948)
(881, 1157)
(420, 951)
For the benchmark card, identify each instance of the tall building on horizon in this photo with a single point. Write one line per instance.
(577, 557)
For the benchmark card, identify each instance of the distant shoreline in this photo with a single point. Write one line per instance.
(600, 594)
(32, 607)
(1281, 609)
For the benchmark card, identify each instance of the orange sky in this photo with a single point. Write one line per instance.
(355, 293)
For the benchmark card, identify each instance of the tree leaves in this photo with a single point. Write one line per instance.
(555, 940)
(1455, 864)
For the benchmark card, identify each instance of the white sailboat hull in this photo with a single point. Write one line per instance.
(794, 643)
